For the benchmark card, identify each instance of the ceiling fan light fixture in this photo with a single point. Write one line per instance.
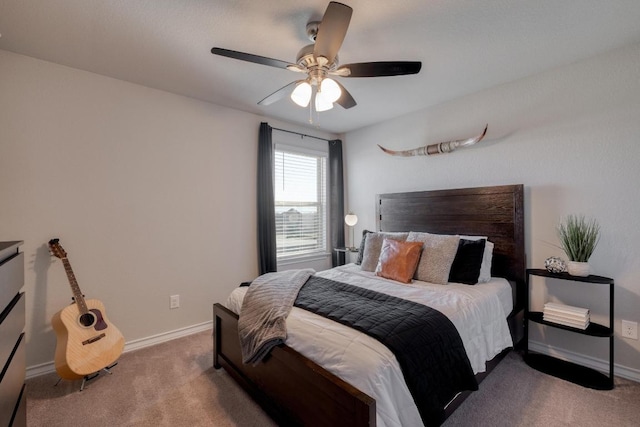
(301, 95)
(322, 103)
(330, 90)
(319, 60)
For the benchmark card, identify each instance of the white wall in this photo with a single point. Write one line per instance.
(151, 194)
(572, 137)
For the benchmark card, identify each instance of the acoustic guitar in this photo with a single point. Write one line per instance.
(86, 340)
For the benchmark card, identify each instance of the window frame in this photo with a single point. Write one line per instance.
(322, 252)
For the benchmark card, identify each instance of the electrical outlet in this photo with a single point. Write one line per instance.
(175, 301)
(630, 329)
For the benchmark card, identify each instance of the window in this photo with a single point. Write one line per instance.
(300, 202)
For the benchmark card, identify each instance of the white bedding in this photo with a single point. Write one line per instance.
(478, 312)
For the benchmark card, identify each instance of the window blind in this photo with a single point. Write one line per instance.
(300, 181)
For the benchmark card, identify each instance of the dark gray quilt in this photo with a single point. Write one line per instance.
(425, 342)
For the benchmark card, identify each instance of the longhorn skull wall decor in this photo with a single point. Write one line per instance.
(439, 148)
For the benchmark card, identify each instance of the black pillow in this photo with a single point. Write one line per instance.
(466, 265)
(361, 250)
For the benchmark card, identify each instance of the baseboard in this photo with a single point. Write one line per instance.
(167, 336)
(581, 359)
(49, 367)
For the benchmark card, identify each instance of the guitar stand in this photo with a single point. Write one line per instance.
(89, 377)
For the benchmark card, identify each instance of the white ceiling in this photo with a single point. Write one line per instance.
(464, 45)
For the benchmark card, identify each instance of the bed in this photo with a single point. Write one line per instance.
(295, 390)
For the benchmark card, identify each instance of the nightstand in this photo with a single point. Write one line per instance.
(346, 252)
(578, 374)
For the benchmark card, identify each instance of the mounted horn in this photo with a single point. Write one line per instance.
(439, 148)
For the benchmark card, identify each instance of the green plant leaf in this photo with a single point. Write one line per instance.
(579, 237)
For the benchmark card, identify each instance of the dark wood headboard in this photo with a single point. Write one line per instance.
(496, 212)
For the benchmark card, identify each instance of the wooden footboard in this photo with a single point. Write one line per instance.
(296, 391)
(291, 388)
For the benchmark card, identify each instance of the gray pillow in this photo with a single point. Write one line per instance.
(373, 245)
(438, 253)
(361, 250)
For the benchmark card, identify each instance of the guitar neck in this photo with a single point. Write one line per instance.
(75, 288)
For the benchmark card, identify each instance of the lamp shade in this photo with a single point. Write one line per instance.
(351, 219)
(322, 103)
(301, 95)
(330, 90)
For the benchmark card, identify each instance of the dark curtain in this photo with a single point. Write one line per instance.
(267, 258)
(336, 197)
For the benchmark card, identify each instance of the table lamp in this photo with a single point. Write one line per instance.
(351, 219)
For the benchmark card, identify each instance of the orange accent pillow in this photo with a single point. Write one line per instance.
(398, 260)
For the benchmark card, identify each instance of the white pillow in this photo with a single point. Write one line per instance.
(487, 256)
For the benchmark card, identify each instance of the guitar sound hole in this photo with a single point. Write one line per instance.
(87, 319)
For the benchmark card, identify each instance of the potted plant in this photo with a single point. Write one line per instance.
(578, 237)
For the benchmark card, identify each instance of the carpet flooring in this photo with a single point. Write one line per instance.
(174, 384)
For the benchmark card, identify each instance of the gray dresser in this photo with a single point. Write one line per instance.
(13, 405)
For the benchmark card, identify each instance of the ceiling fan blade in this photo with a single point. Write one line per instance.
(379, 69)
(250, 57)
(346, 100)
(279, 94)
(332, 30)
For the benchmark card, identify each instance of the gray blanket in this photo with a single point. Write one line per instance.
(265, 308)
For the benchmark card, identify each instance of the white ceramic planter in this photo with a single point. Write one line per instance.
(575, 268)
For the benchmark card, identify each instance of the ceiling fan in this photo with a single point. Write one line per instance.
(320, 62)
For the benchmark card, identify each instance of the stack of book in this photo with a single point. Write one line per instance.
(566, 315)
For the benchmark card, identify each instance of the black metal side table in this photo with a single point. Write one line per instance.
(346, 251)
(575, 373)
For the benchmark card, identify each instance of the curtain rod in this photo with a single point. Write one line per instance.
(302, 134)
